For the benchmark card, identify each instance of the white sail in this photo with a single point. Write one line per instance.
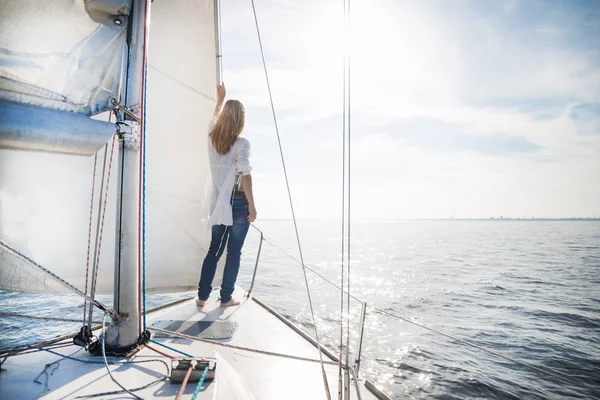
(68, 56)
(182, 76)
(45, 198)
(45, 202)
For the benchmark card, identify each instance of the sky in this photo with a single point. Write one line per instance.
(465, 109)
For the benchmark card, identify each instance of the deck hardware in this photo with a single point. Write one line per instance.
(256, 263)
(180, 366)
(363, 315)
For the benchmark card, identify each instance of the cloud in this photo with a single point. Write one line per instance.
(448, 100)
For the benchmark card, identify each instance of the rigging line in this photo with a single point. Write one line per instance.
(409, 321)
(58, 279)
(343, 212)
(348, 258)
(181, 83)
(94, 264)
(232, 346)
(119, 212)
(30, 349)
(556, 375)
(101, 227)
(290, 198)
(312, 270)
(112, 362)
(15, 315)
(87, 267)
(21, 349)
(142, 232)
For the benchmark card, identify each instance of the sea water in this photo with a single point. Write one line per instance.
(529, 290)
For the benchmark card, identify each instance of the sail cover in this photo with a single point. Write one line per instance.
(45, 199)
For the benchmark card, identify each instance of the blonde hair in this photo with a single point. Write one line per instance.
(228, 127)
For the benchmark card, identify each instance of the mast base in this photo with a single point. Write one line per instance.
(116, 350)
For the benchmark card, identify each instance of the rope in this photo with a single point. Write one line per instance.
(15, 315)
(262, 53)
(87, 265)
(88, 396)
(533, 367)
(231, 346)
(58, 279)
(159, 352)
(184, 382)
(101, 225)
(106, 362)
(56, 364)
(171, 348)
(200, 382)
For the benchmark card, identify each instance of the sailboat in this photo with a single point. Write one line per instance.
(103, 178)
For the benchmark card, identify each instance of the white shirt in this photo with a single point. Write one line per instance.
(223, 169)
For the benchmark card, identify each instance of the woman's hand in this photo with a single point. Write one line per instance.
(220, 98)
(221, 92)
(251, 213)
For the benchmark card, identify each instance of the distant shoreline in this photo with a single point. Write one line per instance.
(441, 219)
(507, 219)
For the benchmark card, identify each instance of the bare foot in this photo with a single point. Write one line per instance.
(230, 303)
(200, 303)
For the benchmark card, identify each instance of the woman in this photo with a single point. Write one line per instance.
(232, 208)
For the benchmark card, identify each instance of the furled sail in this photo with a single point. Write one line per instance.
(62, 54)
(45, 199)
(61, 61)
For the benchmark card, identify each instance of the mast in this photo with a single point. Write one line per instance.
(219, 54)
(127, 254)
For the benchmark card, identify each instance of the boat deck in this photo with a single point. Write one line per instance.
(240, 374)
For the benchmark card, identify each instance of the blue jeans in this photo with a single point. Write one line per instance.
(233, 237)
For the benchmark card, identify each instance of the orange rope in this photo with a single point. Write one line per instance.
(160, 352)
(187, 376)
